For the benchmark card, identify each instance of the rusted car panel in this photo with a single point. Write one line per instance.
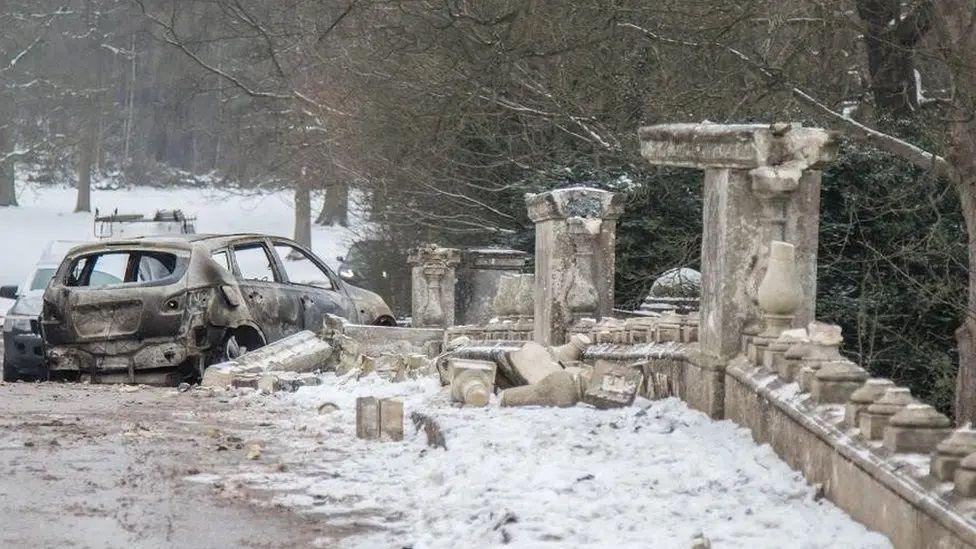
(158, 310)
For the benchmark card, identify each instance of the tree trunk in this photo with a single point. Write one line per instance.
(335, 208)
(955, 20)
(86, 161)
(8, 188)
(303, 216)
(891, 52)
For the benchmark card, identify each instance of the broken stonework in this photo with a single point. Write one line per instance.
(866, 395)
(774, 357)
(874, 419)
(530, 364)
(916, 429)
(272, 382)
(379, 419)
(762, 183)
(560, 389)
(434, 278)
(613, 385)
(472, 381)
(574, 258)
(950, 452)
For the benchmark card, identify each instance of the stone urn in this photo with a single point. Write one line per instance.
(779, 293)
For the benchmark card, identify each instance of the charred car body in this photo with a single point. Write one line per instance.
(159, 309)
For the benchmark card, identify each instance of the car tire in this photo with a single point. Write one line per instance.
(9, 374)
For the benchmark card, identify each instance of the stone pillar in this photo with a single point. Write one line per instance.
(575, 232)
(433, 280)
(761, 184)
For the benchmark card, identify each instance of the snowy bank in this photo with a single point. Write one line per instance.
(652, 475)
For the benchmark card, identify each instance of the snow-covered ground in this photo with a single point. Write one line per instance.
(651, 475)
(45, 214)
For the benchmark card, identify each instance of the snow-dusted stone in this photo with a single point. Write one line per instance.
(531, 363)
(575, 232)
(824, 347)
(836, 381)
(434, 278)
(874, 419)
(950, 452)
(792, 361)
(560, 389)
(613, 385)
(867, 394)
(379, 418)
(571, 351)
(965, 477)
(916, 429)
(472, 381)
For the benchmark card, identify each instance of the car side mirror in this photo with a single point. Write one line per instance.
(340, 259)
(8, 292)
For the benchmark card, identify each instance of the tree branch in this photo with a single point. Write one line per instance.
(899, 147)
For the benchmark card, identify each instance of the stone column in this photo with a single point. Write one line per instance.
(433, 280)
(761, 184)
(575, 232)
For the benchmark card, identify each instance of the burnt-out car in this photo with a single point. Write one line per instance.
(159, 309)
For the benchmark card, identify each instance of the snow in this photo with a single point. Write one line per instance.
(45, 214)
(651, 475)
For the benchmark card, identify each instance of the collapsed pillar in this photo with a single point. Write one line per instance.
(762, 183)
(575, 233)
(432, 289)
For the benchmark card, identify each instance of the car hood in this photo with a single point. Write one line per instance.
(369, 305)
(28, 305)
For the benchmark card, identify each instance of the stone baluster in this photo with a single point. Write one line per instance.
(433, 277)
(950, 452)
(836, 381)
(866, 395)
(874, 419)
(916, 429)
(792, 361)
(779, 296)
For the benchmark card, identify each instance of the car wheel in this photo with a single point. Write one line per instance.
(240, 341)
(9, 374)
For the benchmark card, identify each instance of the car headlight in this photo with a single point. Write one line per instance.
(19, 323)
(346, 273)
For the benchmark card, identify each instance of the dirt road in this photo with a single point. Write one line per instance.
(106, 466)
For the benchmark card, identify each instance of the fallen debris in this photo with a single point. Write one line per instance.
(560, 389)
(299, 353)
(472, 381)
(379, 419)
(612, 385)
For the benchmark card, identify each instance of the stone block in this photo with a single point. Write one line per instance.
(965, 477)
(379, 419)
(530, 364)
(836, 381)
(391, 419)
(368, 418)
(916, 429)
(875, 418)
(867, 394)
(613, 386)
(950, 452)
(559, 389)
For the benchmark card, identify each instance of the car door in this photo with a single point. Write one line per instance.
(316, 288)
(263, 287)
